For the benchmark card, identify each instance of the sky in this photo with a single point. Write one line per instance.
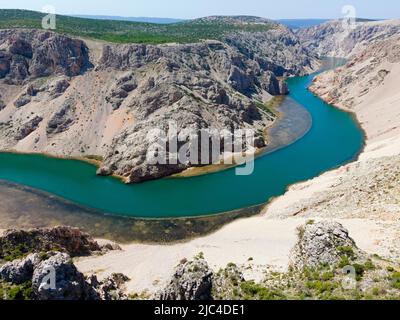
(187, 9)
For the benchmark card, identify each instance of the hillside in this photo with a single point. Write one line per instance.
(136, 32)
(331, 39)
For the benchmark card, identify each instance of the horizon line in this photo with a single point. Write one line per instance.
(76, 15)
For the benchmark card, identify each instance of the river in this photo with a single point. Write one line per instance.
(334, 139)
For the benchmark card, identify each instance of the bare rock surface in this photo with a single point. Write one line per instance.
(33, 54)
(336, 39)
(192, 280)
(320, 244)
(21, 270)
(69, 282)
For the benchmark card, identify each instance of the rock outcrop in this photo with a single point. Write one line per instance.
(69, 283)
(320, 244)
(53, 276)
(20, 271)
(32, 54)
(69, 240)
(108, 110)
(192, 280)
(336, 39)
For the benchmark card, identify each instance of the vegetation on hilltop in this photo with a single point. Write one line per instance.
(212, 28)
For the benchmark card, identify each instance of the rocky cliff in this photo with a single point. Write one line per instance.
(334, 39)
(68, 97)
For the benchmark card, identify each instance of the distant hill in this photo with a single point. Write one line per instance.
(301, 23)
(211, 28)
(133, 19)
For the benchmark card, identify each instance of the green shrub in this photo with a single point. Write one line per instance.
(321, 286)
(395, 278)
(360, 270)
(255, 291)
(326, 276)
(344, 261)
(369, 265)
(16, 292)
(346, 251)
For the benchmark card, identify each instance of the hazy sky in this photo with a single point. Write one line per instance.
(273, 9)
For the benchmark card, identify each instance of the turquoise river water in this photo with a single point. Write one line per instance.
(334, 139)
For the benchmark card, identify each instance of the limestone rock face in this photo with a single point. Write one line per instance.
(319, 244)
(192, 280)
(204, 85)
(69, 282)
(21, 270)
(22, 100)
(28, 127)
(32, 54)
(333, 39)
(62, 119)
(366, 72)
(70, 240)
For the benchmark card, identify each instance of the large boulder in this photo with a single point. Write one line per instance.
(319, 244)
(192, 280)
(69, 282)
(21, 270)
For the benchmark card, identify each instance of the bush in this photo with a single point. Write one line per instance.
(320, 286)
(346, 251)
(327, 276)
(16, 292)
(395, 278)
(255, 291)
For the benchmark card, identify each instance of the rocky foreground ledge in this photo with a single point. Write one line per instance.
(325, 263)
(40, 258)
